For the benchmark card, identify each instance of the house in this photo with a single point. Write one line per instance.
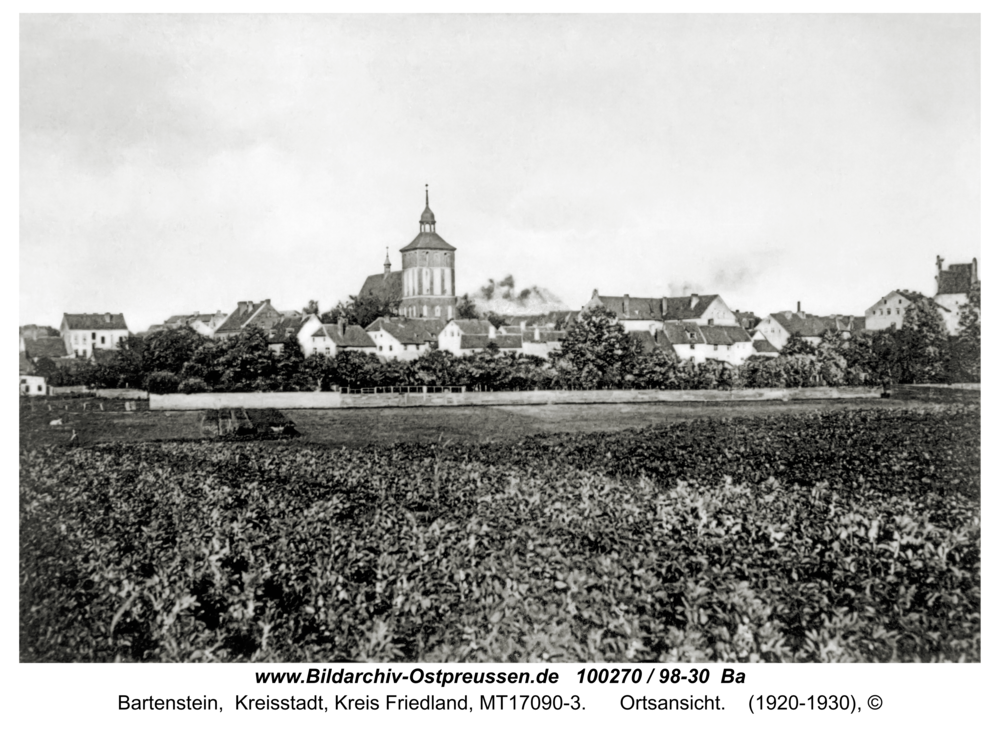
(639, 314)
(83, 333)
(49, 347)
(541, 342)
(329, 339)
(450, 338)
(474, 343)
(283, 331)
(246, 313)
(204, 324)
(953, 289)
(29, 383)
(889, 311)
(404, 338)
(779, 327)
(730, 344)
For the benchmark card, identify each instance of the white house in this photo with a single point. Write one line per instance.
(402, 338)
(640, 314)
(329, 339)
(83, 333)
(730, 344)
(779, 327)
(450, 338)
(890, 310)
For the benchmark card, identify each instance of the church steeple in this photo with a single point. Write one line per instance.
(427, 221)
(388, 264)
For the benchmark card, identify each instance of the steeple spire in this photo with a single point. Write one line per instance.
(427, 221)
(388, 264)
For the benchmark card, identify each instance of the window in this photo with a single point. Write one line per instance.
(328, 351)
(380, 348)
(716, 347)
(437, 311)
(102, 340)
(39, 388)
(390, 347)
(897, 311)
(93, 336)
(692, 346)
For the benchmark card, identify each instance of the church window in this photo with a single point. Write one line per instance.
(437, 311)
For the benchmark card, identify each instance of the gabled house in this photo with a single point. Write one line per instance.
(762, 347)
(779, 327)
(473, 343)
(246, 313)
(83, 333)
(731, 344)
(283, 331)
(639, 314)
(204, 324)
(329, 339)
(403, 338)
(953, 289)
(450, 338)
(889, 311)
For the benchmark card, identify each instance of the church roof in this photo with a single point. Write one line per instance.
(428, 240)
(388, 287)
(428, 215)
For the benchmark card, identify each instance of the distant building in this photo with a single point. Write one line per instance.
(953, 289)
(329, 339)
(889, 311)
(204, 324)
(731, 344)
(779, 327)
(450, 338)
(83, 333)
(640, 314)
(404, 338)
(246, 313)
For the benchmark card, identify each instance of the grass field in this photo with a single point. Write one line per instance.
(358, 427)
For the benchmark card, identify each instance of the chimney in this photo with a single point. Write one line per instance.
(798, 307)
(107, 318)
(537, 335)
(595, 294)
(340, 327)
(663, 308)
(625, 305)
(694, 300)
(196, 314)
(524, 325)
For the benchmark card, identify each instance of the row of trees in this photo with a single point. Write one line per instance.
(596, 354)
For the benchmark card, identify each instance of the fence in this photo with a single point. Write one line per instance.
(420, 398)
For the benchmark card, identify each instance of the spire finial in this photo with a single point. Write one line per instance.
(427, 194)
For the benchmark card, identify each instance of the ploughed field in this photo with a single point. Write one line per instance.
(848, 534)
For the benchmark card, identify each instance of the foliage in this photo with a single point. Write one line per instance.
(162, 383)
(167, 350)
(362, 310)
(597, 353)
(796, 344)
(466, 308)
(922, 343)
(192, 385)
(850, 535)
(967, 347)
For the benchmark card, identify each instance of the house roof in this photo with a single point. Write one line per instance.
(286, 329)
(51, 347)
(678, 332)
(388, 287)
(958, 279)
(667, 308)
(472, 326)
(245, 310)
(735, 334)
(95, 321)
(762, 345)
(24, 364)
(353, 336)
(482, 341)
(408, 331)
(428, 240)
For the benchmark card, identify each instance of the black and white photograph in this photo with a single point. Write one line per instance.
(420, 339)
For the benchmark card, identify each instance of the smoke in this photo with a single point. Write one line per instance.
(686, 288)
(504, 297)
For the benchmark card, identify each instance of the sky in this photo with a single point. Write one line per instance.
(172, 164)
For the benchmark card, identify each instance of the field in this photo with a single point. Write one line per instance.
(771, 533)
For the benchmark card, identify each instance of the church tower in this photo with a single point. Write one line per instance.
(428, 272)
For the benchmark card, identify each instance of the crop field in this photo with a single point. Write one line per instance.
(839, 534)
(365, 426)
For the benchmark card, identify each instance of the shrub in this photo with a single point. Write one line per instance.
(162, 383)
(192, 385)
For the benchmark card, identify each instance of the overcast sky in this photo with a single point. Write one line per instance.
(178, 163)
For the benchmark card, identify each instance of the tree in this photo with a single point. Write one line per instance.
(45, 367)
(495, 319)
(362, 310)
(923, 343)
(597, 353)
(311, 308)
(797, 345)
(168, 350)
(968, 345)
(466, 308)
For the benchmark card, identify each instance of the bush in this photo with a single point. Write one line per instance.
(162, 383)
(192, 385)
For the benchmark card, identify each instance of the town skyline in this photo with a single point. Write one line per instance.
(168, 165)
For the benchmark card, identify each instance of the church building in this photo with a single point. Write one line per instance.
(426, 285)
